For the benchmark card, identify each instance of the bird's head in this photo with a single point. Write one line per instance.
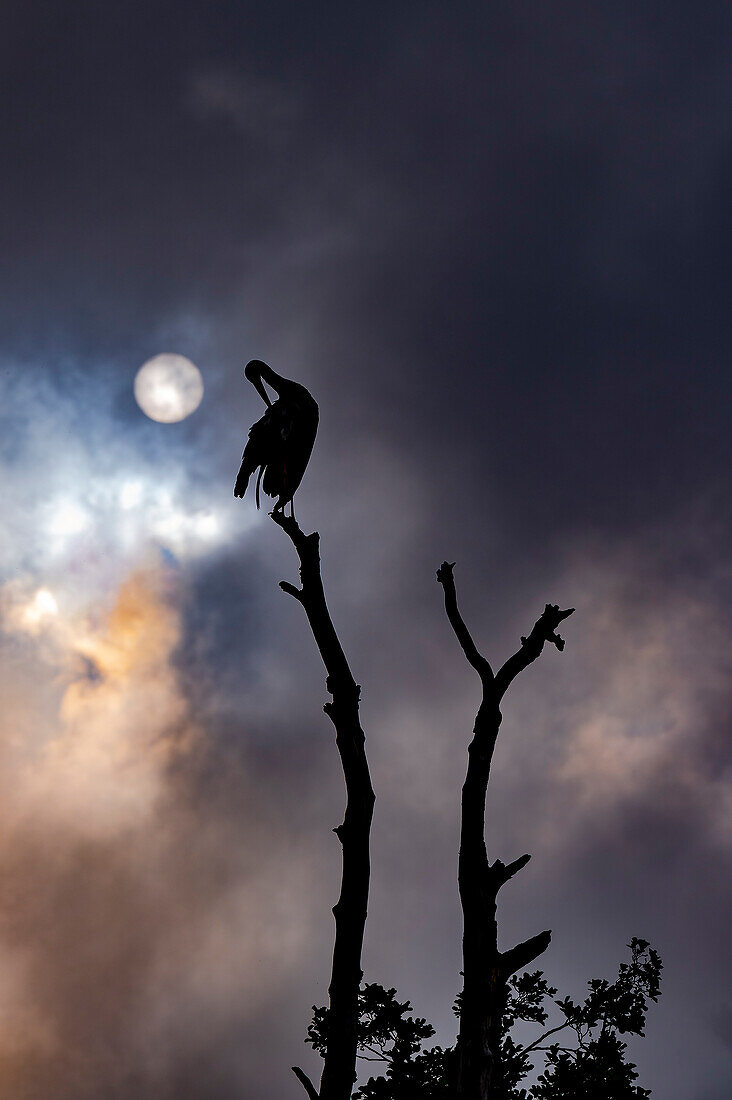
(253, 372)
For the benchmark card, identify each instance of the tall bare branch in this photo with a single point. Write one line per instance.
(486, 970)
(339, 1069)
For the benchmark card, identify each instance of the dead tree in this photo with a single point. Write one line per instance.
(486, 970)
(339, 1068)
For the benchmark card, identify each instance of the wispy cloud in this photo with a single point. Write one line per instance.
(260, 107)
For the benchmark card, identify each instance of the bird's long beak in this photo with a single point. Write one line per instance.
(259, 387)
(253, 374)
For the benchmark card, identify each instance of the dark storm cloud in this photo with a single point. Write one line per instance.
(494, 241)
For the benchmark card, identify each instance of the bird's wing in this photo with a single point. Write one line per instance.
(297, 430)
(280, 445)
(260, 444)
(266, 435)
(264, 449)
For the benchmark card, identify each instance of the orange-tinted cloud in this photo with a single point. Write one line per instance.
(136, 924)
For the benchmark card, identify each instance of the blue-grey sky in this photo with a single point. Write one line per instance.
(494, 241)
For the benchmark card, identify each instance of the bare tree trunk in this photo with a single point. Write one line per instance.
(339, 1070)
(486, 970)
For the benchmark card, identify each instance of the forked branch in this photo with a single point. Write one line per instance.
(543, 630)
(469, 648)
(524, 953)
(486, 970)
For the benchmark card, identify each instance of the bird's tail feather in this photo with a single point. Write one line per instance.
(242, 479)
(259, 478)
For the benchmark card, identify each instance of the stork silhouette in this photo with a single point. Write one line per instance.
(280, 444)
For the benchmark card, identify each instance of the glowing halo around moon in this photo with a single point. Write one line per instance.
(168, 388)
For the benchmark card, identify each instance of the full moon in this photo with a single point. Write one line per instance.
(168, 388)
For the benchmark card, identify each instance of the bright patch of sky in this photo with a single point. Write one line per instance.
(87, 502)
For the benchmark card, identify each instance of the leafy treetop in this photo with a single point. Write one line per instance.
(582, 1052)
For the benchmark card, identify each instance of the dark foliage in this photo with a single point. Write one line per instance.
(390, 1036)
(582, 1052)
